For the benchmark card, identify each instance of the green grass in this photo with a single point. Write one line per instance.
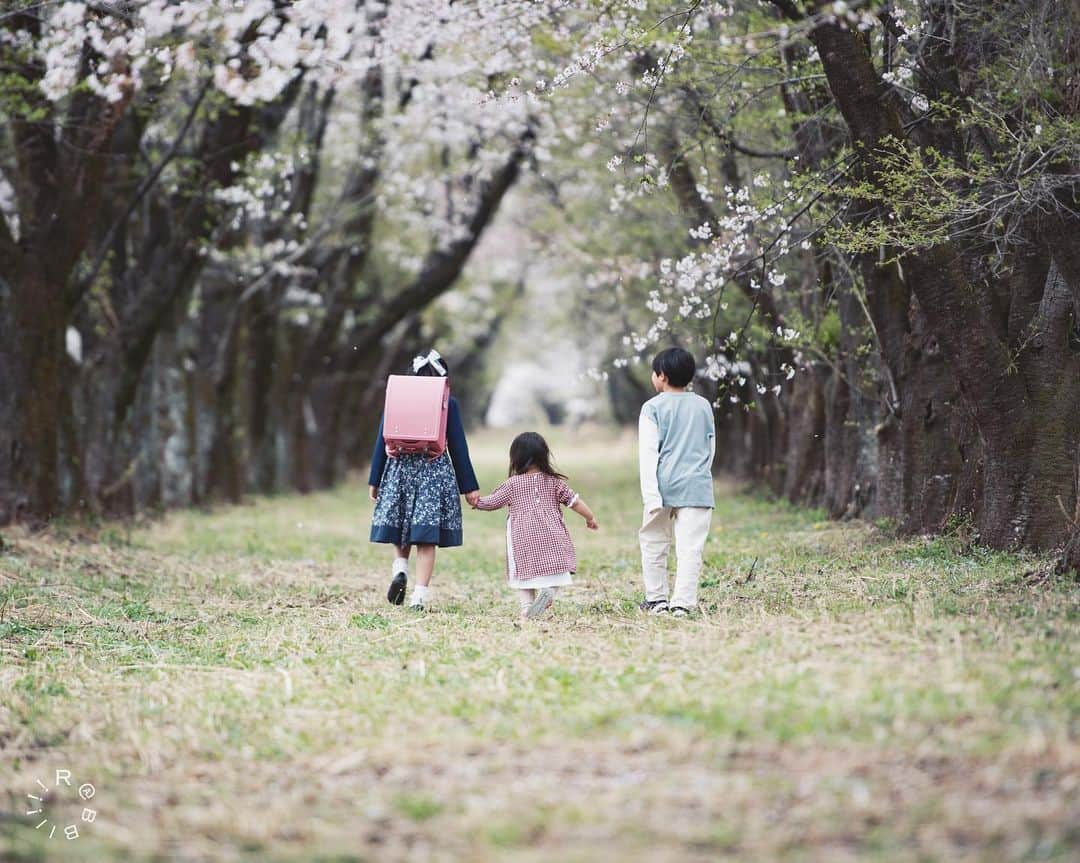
(236, 687)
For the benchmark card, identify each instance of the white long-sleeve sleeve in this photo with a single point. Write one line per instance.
(649, 461)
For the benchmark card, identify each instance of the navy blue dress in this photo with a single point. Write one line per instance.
(419, 499)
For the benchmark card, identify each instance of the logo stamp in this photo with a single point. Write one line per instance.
(63, 789)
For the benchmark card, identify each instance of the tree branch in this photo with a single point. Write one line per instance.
(684, 185)
(77, 290)
(790, 9)
(442, 267)
(722, 135)
(967, 336)
(229, 138)
(37, 176)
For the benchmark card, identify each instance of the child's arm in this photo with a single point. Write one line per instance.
(649, 461)
(582, 509)
(459, 453)
(496, 500)
(378, 464)
(568, 497)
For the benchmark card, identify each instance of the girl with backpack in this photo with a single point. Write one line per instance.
(416, 484)
(539, 552)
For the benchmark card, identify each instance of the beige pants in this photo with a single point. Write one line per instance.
(690, 527)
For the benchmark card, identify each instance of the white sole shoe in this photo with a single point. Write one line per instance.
(544, 597)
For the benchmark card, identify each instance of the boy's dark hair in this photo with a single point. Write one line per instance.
(677, 365)
(530, 450)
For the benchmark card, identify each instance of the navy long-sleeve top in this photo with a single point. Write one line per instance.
(455, 443)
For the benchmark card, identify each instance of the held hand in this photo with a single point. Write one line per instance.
(373, 492)
(472, 497)
(591, 524)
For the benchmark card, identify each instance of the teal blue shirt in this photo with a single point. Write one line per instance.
(685, 442)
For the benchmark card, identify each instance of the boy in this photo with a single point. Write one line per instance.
(677, 442)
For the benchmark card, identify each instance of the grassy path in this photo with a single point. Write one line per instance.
(236, 687)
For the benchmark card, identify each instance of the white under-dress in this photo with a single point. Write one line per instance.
(561, 579)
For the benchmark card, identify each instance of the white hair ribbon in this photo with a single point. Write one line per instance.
(431, 359)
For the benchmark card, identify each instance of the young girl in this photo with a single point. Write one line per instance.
(540, 556)
(416, 498)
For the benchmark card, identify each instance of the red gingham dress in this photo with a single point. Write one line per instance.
(541, 542)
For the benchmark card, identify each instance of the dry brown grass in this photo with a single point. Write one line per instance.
(237, 688)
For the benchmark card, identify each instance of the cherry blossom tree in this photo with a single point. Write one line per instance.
(894, 175)
(199, 219)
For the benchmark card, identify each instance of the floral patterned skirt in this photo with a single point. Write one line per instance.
(419, 503)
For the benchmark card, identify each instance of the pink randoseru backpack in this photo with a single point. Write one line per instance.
(414, 420)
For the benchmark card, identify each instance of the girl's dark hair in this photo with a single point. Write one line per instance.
(676, 364)
(530, 450)
(428, 370)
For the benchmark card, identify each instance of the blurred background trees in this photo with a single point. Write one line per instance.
(224, 224)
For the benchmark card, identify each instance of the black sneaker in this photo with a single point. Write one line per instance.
(657, 606)
(679, 611)
(396, 594)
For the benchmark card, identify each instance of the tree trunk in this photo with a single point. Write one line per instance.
(805, 448)
(1022, 394)
(265, 384)
(56, 175)
(930, 430)
(221, 475)
(32, 331)
(851, 415)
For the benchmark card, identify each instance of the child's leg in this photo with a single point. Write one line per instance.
(691, 530)
(545, 596)
(655, 540)
(425, 563)
(399, 573)
(525, 598)
(425, 567)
